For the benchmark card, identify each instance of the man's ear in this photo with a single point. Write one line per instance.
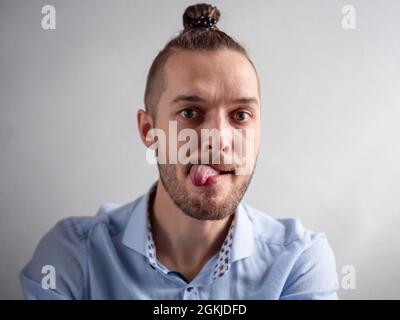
(145, 124)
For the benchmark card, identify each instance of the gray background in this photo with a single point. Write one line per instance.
(330, 151)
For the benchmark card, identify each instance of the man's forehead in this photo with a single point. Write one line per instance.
(202, 73)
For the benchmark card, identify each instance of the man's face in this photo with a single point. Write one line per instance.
(215, 91)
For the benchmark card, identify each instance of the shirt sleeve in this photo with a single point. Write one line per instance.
(313, 276)
(57, 268)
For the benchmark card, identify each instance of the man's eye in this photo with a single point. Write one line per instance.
(241, 116)
(189, 113)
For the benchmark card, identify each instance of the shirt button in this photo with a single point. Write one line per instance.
(189, 289)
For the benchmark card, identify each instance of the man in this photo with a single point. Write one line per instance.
(191, 236)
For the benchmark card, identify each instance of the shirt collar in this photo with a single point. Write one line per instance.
(136, 232)
(238, 243)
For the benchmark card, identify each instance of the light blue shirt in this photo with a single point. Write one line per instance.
(112, 256)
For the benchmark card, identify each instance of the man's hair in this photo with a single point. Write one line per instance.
(199, 34)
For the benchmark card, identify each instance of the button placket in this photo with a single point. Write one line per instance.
(191, 293)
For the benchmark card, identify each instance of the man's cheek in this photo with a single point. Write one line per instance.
(181, 172)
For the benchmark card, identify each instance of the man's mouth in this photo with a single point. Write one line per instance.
(202, 174)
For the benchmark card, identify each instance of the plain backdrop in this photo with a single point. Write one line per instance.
(330, 115)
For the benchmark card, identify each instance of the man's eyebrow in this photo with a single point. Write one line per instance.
(246, 100)
(188, 98)
(194, 98)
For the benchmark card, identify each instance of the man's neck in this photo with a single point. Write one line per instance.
(184, 244)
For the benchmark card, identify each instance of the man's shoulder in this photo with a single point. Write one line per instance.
(64, 248)
(279, 231)
(110, 218)
(69, 236)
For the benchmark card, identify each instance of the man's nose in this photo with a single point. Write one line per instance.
(216, 135)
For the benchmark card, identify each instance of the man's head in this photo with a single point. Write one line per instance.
(203, 79)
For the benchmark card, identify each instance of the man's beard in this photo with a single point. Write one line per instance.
(195, 208)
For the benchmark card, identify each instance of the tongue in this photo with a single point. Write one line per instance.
(199, 174)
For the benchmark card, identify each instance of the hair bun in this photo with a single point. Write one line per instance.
(201, 16)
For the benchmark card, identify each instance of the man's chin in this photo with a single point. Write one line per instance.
(212, 201)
